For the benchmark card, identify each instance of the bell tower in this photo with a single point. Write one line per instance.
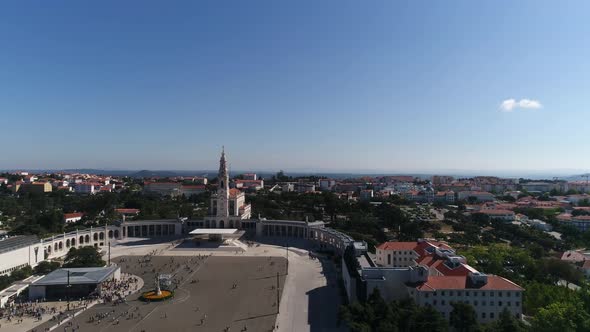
(223, 189)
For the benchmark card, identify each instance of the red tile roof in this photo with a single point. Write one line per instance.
(463, 282)
(418, 247)
(127, 210)
(397, 246)
(234, 192)
(497, 212)
(73, 215)
(461, 270)
(193, 187)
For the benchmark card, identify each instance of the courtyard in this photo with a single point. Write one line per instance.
(212, 293)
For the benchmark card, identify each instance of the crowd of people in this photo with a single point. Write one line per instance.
(18, 311)
(114, 291)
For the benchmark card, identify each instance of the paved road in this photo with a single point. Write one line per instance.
(311, 298)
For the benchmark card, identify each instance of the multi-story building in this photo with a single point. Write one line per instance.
(480, 196)
(288, 187)
(30, 178)
(404, 254)
(580, 186)
(505, 215)
(162, 188)
(442, 179)
(582, 223)
(188, 190)
(250, 176)
(326, 184)
(489, 295)
(304, 187)
(366, 195)
(539, 186)
(445, 196)
(90, 188)
(431, 273)
(228, 206)
(249, 184)
(35, 187)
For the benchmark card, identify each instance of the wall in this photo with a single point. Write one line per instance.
(389, 281)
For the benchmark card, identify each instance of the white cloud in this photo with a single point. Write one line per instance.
(511, 104)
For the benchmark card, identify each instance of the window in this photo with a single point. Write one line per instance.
(433, 302)
(500, 294)
(451, 293)
(466, 293)
(458, 293)
(483, 315)
(474, 302)
(508, 303)
(483, 303)
(442, 293)
(517, 303)
(499, 303)
(491, 315)
(442, 302)
(426, 295)
(508, 294)
(434, 294)
(491, 293)
(491, 303)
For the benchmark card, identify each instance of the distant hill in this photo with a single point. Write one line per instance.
(150, 174)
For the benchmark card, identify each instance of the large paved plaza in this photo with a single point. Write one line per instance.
(205, 300)
(309, 299)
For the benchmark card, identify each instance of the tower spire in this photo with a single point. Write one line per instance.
(222, 164)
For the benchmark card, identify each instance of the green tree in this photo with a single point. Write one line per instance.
(21, 273)
(559, 269)
(562, 317)
(463, 317)
(46, 267)
(428, 319)
(506, 323)
(539, 295)
(83, 257)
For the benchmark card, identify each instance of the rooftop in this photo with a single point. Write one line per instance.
(215, 231)
(464, 282)
(17, 242)
(82, 275)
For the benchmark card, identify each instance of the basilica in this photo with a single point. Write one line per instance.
(228, 206)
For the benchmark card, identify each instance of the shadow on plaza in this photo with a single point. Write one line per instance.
(286, 242)
(146, 241)
(324, 301)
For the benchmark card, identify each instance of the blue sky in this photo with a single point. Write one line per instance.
(300, 85)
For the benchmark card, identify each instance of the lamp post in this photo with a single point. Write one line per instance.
(287, 255)
(68, 290)
(278, 293)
